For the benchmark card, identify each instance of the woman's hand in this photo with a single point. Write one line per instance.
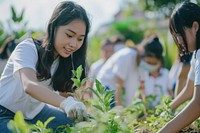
(75, 110)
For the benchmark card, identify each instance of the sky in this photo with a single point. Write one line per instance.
(38, 12)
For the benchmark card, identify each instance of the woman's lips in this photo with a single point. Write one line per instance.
(68, 51)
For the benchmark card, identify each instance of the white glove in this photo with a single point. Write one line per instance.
(75, 110)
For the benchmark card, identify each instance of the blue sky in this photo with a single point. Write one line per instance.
(37, 12)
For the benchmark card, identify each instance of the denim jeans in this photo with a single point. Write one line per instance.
(48, 111)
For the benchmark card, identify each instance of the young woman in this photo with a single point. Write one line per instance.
(34, 71)
(184, 27)
(156, 81)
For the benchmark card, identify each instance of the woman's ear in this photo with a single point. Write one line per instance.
(195, 26)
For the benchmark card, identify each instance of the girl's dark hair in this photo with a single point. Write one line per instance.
(154, 48)
(183, 17)
(63, 14)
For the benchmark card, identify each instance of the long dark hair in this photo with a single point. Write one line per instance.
(183, 17)
(63, 14)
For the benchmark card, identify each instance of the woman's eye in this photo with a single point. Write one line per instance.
(68, 35)
(80, 40)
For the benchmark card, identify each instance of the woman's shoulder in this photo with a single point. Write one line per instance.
(27, 43)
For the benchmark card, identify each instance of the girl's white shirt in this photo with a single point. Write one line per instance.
(12, 95)
(194, 73)
(157, 86)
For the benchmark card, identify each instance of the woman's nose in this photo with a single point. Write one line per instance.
(73, 43)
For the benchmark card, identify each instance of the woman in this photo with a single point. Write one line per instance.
(184, 27)
(156, 81)
(34, 71)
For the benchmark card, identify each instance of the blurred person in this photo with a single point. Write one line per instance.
(35, 70)
(184, 27)
(118, 41)
(5, 51)
(122, 71)
(156, 81)
(107, 50)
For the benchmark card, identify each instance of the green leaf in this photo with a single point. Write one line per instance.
(98, 107)
(74, 72)
(83, 81)
(14, 16)
(99, 87)
(79, 71)
(97, 94)
(77, 82)
(40, 124)
(47, 121)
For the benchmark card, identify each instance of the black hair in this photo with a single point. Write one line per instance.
(153, 48)
(105, 43)
(183, 17)
(64, 13)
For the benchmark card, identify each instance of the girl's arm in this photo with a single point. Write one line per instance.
(37, 90)
(184, 95)
(190, 113)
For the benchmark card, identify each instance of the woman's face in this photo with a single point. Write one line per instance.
(150, 64)
(69, 38)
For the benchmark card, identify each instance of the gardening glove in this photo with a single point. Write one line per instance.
(75, 110)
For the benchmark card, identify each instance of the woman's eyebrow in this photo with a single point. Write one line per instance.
(75, 32)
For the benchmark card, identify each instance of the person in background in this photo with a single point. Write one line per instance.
(37, 70)
(156, 82)
(185, 28)
(5, 50)
(107, 50)
(118, 41)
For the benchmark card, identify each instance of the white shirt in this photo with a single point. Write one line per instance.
(122, 64)
(12, 95)
(194, 73)
(157, 86)
(95, 68)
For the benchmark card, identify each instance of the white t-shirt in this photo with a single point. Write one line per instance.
(95, 68)
(194, 73)
(12, 95)
(157, 86)
(122, 64)
(2, 64)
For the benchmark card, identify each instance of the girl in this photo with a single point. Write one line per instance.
(156, 80)
(184, 27)
(63, 49)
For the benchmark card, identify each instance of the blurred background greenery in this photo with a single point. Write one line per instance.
(134, 21)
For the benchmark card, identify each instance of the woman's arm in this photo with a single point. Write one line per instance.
(37, 90)
(190, 113)
(185, 95)
(182, 78)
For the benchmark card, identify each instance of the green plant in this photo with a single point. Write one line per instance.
(78, 83)
(42, 127)
(104, 96)
(18, 125)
